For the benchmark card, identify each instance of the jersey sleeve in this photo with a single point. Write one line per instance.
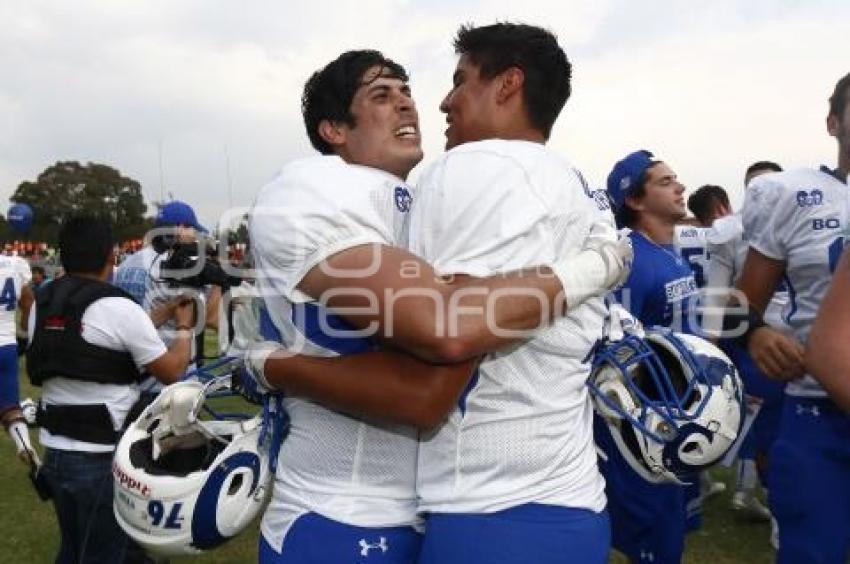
(767, 216)
(719, 278)
(479, 206)
(297, 222)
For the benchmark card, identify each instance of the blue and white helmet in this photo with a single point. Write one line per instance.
(184, 485)
(673, 402)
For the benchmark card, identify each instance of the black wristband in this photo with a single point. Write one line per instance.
(751, 318)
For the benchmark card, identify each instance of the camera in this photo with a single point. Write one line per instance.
(182, 268)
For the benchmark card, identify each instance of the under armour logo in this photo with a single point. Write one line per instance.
(813, 411)
(365, 547)
(647, 556)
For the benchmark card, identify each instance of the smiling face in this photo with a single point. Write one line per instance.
(663, 195)
(470, 105)
(385, 134)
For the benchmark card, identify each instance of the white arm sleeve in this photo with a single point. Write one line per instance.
(718, 280)
(765, 217)
(307, 215)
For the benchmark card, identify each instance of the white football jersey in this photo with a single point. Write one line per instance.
(728, 251)
(522, 431)
(14, 274)
(347, 469)
(799, 217)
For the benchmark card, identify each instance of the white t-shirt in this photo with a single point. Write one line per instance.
(799, 217)
(14, 274)
(114, 323)
(347, 469)
(522, 432)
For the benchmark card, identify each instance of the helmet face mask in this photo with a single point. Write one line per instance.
(184, 485)
(673, 402)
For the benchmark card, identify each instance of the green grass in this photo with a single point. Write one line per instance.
(30, 532)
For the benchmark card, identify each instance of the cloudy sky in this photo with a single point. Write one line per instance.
(199, 99)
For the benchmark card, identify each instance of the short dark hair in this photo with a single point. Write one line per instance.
(38, 269)
(85, 244)
(705, 200)
(329, 92)
(498, 47)
(761, 166)
(626, 216)
(838, 100)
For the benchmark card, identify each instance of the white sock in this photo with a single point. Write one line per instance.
(747, 475)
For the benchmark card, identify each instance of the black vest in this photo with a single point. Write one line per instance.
(58, 347)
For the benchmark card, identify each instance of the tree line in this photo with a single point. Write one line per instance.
(69, 187)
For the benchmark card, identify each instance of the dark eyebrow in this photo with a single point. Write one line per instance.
(373, 88)
(458, 74)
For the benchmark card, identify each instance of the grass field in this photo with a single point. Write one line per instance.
(29, 533)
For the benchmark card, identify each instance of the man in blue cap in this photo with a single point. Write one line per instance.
(140, 276)
(648, 521)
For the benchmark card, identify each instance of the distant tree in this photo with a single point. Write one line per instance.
(68, 187)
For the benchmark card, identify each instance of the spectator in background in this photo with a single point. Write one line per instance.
(39, 278)
(758, 168)
(708, 203)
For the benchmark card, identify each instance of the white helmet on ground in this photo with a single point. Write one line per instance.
(183, 485)
(673, 402)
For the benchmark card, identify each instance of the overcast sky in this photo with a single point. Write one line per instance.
(200, 99)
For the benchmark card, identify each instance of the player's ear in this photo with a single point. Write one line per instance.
(332, 132)
(634, 203)
(511, 80)
(832, 123)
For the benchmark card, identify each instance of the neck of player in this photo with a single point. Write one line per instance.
(657, 229)
(844, 163)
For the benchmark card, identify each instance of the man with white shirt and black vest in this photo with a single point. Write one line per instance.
(89, 342)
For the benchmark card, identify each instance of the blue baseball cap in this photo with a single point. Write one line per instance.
(177, 213)
(626, 175)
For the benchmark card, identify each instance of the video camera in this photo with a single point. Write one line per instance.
(182, 268)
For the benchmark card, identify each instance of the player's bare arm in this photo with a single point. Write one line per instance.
(449, 320)
(27, 299)
(389, 385)
(777, 354)
(827, 353)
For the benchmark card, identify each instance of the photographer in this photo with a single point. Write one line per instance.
(178, 230)
(89, 343)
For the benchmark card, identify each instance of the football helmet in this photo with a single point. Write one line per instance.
(184, 485)
(672, 402)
